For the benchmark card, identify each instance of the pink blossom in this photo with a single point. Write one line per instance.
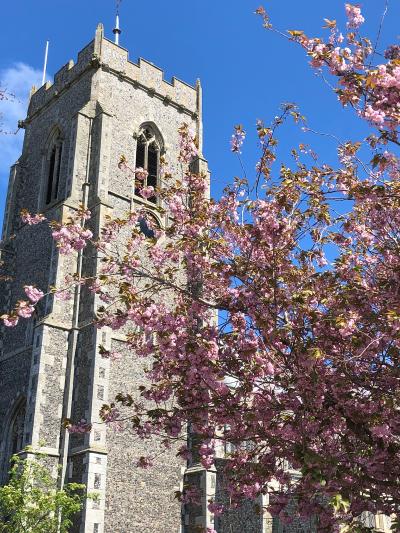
(251, 491)
(31, 220)
(353, 13)
(9, 320)
(79, 428)
(147, 192)
(185, 453)
(375, 116)
(188, 148)
(111, 416)
(270, 369)
(381, 431)
(24, 309)
(63, 295)
(141, 174)
(71, 237)
(33, 294)
(237, 139)
(215, 508)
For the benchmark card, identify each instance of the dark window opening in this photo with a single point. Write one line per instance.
(148, 225)
(58, 170)
(148, 158)
(17, 431)
(152, 167)
(53, 172)
(52, 165)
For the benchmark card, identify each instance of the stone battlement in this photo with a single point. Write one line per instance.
(103, 53)
(62, 79)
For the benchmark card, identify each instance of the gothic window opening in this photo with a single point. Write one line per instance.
(148, 158)
(17, 430)
(148, 225)
(53, 170)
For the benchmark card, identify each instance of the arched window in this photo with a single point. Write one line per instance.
(16, 435)
(53, 168)
(13, 437)
(148, 224)
(148, 150)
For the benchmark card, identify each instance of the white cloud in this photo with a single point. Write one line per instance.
(17, 80)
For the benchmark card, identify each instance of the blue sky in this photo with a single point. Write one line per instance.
(246, 72)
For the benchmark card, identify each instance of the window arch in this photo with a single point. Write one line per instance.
(148, 150)
(16, 434)
(53, 167)
(148, 224)
(13, 436)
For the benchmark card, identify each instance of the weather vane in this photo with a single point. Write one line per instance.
(117, 30)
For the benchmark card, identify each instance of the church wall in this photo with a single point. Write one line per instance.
(136, 499)
(33, 355)
(98, 105)
(14, 377)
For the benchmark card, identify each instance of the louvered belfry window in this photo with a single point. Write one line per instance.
(53, 171)
(148, 158)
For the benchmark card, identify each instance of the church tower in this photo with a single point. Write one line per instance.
(76, 130)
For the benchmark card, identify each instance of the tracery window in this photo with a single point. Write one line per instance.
(53, 168)
(17, 430)
(148, 225)
(148, 150)
(14, 438)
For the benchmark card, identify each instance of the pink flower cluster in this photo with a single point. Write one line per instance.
(141, 174)
(215, 508)
(71, 237)
(353, 13)
(207, 452)
(33, 293)
(376, 116)
(187, 144)
(23, 309)
(147, 192)
(237, 139)
(10, 321)
(79, 428)
(31, 220)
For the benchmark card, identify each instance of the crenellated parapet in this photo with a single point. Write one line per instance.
(148, 76)
(63, 79)
(102, 53)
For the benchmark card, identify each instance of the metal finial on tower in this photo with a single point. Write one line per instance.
(117, 30)
(45, 63)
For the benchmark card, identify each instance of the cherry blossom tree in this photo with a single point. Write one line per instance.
(282, 338)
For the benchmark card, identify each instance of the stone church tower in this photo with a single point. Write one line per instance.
(50, 368)
(76, 129)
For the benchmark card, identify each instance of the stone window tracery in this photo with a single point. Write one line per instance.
(14, 437)
(148, 150)
(17, 430)
(53, 168)
(148, 224)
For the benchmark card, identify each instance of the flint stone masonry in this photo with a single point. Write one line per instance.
(95, 108)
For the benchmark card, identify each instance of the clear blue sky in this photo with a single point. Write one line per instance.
(245, 71)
